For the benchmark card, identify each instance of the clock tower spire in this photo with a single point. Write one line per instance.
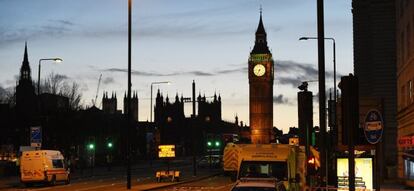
(261, 71)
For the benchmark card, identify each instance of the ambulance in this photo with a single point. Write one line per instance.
(43, 166)
(283, 162)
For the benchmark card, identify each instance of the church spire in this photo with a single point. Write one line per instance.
(25, 69)
(25, 58)
(260, 46)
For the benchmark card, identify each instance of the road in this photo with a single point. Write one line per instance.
(214, 183)
(142, 179)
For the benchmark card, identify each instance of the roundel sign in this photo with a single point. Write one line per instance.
(373, 126)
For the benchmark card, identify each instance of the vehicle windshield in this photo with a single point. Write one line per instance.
(253, 189)
(262, 169)
(57, 163)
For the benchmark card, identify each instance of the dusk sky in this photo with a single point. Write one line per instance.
(178, 41)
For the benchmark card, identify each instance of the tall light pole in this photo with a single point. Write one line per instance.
(334, 130)
(334, 63)
(57, 60)
(128, 147)
(335, 96)
(154, 83)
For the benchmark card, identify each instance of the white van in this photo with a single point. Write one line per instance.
(45, 166)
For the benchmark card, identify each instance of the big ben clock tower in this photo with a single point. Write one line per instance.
(261, 70)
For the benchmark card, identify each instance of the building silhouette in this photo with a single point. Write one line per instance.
(134, 105)
(375, 66)
(261, 75)
(109, 104)
(190, 133)
(209, 111)
(26, 101)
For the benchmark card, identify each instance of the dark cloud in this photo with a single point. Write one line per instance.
(289, 80)
(139, 73)
(296, 68)
(52, 28)
(229, 71)
(108, 80)
(294, 73)
(63, 22)
(281, 100)
(287, 72)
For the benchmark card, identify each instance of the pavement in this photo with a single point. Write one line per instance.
(394, 185)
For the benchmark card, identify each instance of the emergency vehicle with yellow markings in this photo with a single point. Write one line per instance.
(43, 166)
(284, 162)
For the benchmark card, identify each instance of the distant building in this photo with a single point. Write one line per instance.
(190, 133)
(210, 111)
(375, 66)
(109, 104)
(134, 105)
(405, 89)
(261, 76)
(26, 102)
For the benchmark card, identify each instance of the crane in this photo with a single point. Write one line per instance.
(97, 90)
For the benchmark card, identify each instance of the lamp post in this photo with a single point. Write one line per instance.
(334, 61)
(128, 147)
(57, 60)
(154, 83)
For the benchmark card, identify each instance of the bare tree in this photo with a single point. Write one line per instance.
(61, 85)
(8, 95)
(73, 93)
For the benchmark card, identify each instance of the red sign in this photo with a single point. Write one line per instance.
(407, 141)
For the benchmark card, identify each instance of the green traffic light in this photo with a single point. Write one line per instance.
(209, 143)
(110, 145)
(91, 146)
(217, 143)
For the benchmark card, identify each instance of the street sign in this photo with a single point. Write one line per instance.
(373, 126)
(36, 136)
(166, 151)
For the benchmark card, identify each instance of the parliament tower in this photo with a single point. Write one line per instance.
(261, 70)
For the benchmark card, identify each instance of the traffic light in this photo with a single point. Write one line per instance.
(91, 146)
(109, 145)
(311, 165)
(217, 144)
(311, 161)
(209, 144)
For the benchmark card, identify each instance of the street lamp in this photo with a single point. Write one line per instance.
(128, 147)
(334, 60)
(154, 83)
(57, 60)
(321, 66)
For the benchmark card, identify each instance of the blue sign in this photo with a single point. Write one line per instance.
(36, 136)
(373, 126)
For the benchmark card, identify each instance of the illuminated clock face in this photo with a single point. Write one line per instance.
(259, 70)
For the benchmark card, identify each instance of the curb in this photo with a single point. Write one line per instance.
(184, 182)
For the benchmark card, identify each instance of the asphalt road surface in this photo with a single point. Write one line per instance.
(142, 179)
(214, 183)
